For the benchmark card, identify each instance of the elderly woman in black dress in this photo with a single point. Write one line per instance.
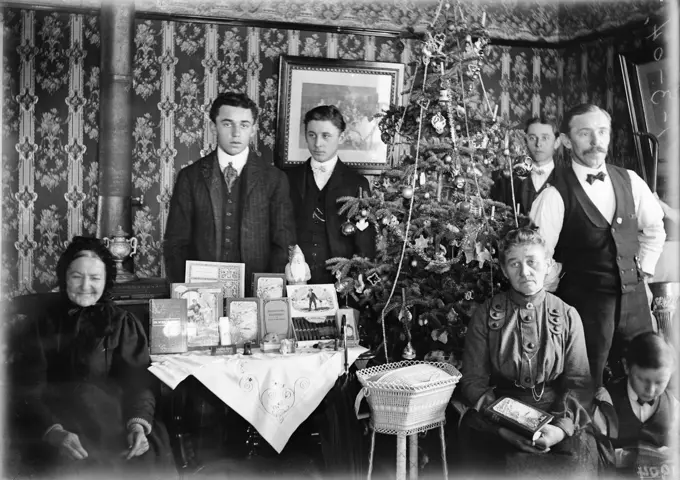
(89, 401)
(529, 345)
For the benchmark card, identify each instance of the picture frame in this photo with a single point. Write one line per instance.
(269, 285)
(316, 301)
(276, 317)
(646, 80)
(244, 321)
(230, 275)
(204, 308)
(360, 89)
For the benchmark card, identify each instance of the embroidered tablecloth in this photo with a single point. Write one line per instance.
(275, 393)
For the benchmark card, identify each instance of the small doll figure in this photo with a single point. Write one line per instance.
(297, 270)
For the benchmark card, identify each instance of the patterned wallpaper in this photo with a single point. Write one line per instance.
(50, 114)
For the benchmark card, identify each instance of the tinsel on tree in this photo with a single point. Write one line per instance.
(437, 230)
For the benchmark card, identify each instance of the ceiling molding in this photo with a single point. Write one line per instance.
(531, 21)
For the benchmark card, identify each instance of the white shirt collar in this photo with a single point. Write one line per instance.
(582, 171)
(634, 396)
(237, 161)
(547, 168)
(329, 165)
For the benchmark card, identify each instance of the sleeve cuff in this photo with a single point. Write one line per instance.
(56, 426)
(145, 425)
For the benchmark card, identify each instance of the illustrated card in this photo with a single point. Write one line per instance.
(313, 302)
(244, 321)
(231, 276)
(204, 308)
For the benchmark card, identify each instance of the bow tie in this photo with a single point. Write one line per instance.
(538, 171)
(590, 178)
(643, 402)
(320, 168)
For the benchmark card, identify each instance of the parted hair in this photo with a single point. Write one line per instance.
(519, 237)
(330, 113)
(542, 119)
(86, 247)
(580, 110)
(649, 350)
(233, 99)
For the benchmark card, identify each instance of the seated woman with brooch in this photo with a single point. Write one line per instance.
(528, 345)
(87, 401)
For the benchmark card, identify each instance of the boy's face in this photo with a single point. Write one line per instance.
(323, 139)
(649, 383)
(234, 127)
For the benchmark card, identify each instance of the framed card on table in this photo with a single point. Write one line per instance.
(204, 308)
(243, 319)
(230, 275)
(269, 285)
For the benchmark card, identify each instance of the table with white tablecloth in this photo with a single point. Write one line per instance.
(275, 393)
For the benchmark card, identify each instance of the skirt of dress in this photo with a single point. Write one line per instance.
(485, 453)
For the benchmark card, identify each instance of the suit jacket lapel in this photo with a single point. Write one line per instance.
(213, 180)
(252, 177)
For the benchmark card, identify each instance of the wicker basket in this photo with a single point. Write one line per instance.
(398, 408)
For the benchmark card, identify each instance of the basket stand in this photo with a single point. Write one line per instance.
(412, 451)
(405, 411)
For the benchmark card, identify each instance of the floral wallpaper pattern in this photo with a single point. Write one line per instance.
(51, 104)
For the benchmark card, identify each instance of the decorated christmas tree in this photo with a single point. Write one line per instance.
(437, 230)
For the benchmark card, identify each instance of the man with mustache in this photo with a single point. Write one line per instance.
(606, 228)
(543, 139)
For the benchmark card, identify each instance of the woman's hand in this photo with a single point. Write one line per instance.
(138, 444)
(518, 441)
(550, 435)
(68, 443)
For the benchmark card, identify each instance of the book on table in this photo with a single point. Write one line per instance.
(168, 319)
(518, 416)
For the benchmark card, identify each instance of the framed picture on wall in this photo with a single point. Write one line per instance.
(361, 90)
(647, 81)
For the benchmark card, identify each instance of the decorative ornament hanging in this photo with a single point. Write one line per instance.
(444, 95)
(414, 263)
(448, 158)
(373, 279)
(409, 352)
(439, 123)
(364, 212)
(459, 182)
(523, 168)
(362, 224)
(348, 229)
(426, 195)
(407, 192)
(464, 207)
(359, 287)
(469, 295)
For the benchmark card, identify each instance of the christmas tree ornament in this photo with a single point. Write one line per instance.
(359, 287)
(469, 295)
(414, 263)
(422, 178)
(422, 242)
(465, 207)
(426, 195)
(459, 182)
(523, 168)
(444, 96)
(439, 123)
(456, 170)
(348, 229)
(448, 158)
(364, 212)
(407, 192)
(385, 137)
(373, 279)
(409, 352)
(362, 224)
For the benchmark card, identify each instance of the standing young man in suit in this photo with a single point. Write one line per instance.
(231, 205)
(315, 187)
(606, 228)
(543, 139)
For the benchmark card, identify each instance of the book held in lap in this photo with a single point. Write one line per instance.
(518, 416)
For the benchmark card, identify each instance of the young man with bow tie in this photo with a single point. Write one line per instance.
(231, 205)
(315, 187)
(543, 140)
(606, 228)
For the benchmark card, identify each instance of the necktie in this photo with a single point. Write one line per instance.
(319, 169)
(643, 402)
(590, 178)
(230, 174)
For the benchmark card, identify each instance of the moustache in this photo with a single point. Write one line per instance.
(596, 150)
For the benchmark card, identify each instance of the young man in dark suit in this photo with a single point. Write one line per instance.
(543, 139)
(314, 188)
(231, 205)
